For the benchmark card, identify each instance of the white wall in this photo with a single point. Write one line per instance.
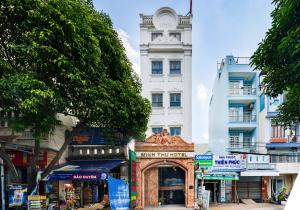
(165, 49)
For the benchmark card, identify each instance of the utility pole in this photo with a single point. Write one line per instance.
(2, 183)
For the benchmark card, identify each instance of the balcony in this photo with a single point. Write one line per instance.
(87, 152)
(291, 141)
(245, 146)
(243, 91)
(247, 117)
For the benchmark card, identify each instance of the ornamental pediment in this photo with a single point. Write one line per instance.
(164, 139)
(166, 39)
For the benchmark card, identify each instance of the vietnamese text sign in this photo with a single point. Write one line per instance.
(203, 162)
(165, 154)
(118, 194)
(213, 176)
(223, 198)
(227, 163)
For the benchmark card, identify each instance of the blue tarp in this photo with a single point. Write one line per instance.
(118, 194)
(83, 170)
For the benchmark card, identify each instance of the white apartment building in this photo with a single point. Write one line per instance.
(166, 70)
(233, 108)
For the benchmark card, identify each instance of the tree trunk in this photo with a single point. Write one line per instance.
(68, 140)
(8, 162)
(33, 167)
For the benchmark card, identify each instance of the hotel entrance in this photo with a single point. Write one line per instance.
(165, 172)
(171, 185)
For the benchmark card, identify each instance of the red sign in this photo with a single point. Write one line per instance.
(17, 158)
(21, 159)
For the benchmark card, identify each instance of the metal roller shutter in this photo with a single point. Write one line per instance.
(249, 189)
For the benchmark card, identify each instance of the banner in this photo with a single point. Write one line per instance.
(17, 195)
(118, 194)
(132, 179)
(204, 162)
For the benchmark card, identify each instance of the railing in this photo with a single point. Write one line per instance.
(242, 146)
(242, 60)
(289, 158)
(147, 20)
(95, 151)
(247, 117)
(265, 166)
(184, 20)
(246, 91)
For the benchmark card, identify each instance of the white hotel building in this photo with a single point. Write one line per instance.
(166, 70)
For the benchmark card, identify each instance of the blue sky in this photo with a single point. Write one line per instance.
(220, 28)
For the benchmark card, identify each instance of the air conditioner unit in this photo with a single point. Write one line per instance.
(251, 106)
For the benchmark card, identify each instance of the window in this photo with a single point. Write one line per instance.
(175, 131)
(157, 130)
(234, 114)
(234, 140)
(157, 100)
(175, 67)
(176, 35)
(175, 100)
(157, 67)
(234, 88)
(155, 35)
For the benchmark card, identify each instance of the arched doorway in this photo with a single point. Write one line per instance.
(164, 184)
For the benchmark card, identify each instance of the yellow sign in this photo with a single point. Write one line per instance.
(36, 197)
(165, 154)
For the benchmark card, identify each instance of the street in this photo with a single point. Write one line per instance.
(257, 206)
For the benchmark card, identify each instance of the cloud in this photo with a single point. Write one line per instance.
(132, 54)
(202, 93)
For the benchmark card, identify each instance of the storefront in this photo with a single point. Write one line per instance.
(218, 174)
(81, 183)
(165, 171)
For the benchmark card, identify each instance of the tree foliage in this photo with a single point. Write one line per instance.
(64, 57)
(278, 59)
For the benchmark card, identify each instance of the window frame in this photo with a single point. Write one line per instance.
(157, 128)
(176, 35)
(155, 35)
(175, 103)
(175, 133)
(160, 103)
(174, 71)
(161, 70)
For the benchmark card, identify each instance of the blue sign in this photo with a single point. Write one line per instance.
(118, 194)
(203, 157)
(17, 195)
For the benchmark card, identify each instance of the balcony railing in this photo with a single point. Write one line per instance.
(245, 91)
(184, 20)
(77, 152)
(147, 20)
(247, 117)
(242, 146)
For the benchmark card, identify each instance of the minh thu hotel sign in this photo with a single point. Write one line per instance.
(165, 154)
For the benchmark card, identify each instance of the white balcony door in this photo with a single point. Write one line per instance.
(234, 114)
(234, 140)
(235, 88)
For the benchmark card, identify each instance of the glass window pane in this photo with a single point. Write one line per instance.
(157, 100)
(157, 130)
(175, 131)
(175, 100)
(157, 67)
(175, 67)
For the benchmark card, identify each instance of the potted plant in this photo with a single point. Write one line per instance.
(161, 201)
(282, 196)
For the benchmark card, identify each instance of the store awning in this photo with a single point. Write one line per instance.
(83, 170)
(260, 173)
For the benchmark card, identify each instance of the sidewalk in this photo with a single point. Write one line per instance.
(257, 206)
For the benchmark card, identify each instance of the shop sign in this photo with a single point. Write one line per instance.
(204, 160)
(37, 202)
(132, 179)
(17, 195)
(222, 197)
(213, 176)
(261, 166)
(21, 159)
(165, 154)
(84, 177)
(227, 163)
(118, 193)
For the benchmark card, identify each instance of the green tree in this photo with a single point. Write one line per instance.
(278, 59)
(65, 57)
